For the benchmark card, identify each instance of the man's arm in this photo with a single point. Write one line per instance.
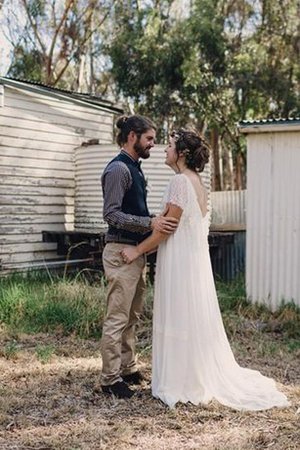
(116, 181)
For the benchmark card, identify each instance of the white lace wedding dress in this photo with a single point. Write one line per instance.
(192, 359)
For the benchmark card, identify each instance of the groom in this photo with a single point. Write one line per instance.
(129, 222)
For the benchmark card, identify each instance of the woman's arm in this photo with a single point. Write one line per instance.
(131, 253)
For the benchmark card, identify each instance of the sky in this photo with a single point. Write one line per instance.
(4, 54)
(5, 48)
(180, 6)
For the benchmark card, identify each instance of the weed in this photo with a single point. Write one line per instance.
(10, 350)
(44, 353)
(293, 345)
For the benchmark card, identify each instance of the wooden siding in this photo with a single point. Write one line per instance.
(38, 135)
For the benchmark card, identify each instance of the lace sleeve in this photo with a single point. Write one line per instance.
(177, 192)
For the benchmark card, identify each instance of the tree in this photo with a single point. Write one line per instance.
(221, 62)
(204, 63)
(55, 45)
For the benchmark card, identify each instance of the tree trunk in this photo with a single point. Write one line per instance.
(216, 179)
(239, 172)
(80, 78)
(228, 183)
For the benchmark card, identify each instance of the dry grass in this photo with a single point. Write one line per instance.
(58, 405)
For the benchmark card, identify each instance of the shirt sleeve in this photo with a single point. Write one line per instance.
(177, 193)
(116, 180)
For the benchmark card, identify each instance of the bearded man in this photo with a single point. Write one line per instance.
(126, 212)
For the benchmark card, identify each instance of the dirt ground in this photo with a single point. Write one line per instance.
(59, 405)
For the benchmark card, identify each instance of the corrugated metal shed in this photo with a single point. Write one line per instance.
(273, 211)
(228, 210)
(39, 130)
(90, 162)
(228, 218)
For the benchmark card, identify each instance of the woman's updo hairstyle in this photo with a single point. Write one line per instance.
(194, 147)
(136, 123)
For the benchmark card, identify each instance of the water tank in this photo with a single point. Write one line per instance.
(90, 162)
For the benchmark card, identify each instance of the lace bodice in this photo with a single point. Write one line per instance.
(180, 192)
(177, 192)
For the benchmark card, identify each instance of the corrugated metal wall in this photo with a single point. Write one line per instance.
(273, 217)
(228, 222)
(228, 259)
(90, 162)
(228, 210)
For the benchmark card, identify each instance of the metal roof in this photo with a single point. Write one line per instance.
(89, 100)
(272, 124)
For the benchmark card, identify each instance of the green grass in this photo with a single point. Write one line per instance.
(10, 350)
(40, 302)
(232, 296)
(269, 333)
(44, 353)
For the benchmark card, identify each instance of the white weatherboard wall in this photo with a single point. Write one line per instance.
(273, 214)
(90, 162)
(38, 135)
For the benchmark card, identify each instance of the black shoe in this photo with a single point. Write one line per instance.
(119, 389)
(133, 378)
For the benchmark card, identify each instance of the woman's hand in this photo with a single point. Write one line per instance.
(129, 254)
(166, 225)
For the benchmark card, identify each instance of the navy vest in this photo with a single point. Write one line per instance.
(134, 201)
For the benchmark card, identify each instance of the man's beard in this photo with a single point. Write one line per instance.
(143, 152)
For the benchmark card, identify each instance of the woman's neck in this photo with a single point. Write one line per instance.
(184, 169)
(180, 167)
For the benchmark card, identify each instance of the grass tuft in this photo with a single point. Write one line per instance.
(47, 305)
(10, 350)
(44, 353)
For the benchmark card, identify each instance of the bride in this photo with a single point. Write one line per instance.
(192, 360)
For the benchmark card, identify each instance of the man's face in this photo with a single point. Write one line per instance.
(143, 145)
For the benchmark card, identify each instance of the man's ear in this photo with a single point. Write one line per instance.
(131, 136)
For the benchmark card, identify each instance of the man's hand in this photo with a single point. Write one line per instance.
(167, 225)
(129, 254)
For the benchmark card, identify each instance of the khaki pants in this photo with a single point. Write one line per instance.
(126, 289)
